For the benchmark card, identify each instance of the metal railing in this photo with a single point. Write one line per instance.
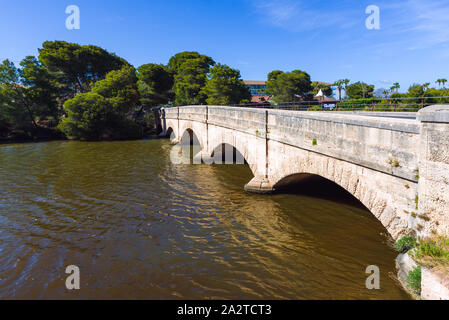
(408, 104)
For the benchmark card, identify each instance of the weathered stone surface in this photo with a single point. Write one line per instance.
(404, 264)
(433, 191)
(398, 167)
(434, 114)
(433, 285)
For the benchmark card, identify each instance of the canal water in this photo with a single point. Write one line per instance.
(139, 227)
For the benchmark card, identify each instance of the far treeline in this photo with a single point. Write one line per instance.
(92, 94)
(362, 95)
(85, 92)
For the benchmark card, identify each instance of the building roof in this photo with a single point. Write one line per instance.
(325, 99)
(260, 99)
(254, 82)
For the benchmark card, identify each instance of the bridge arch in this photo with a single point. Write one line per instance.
(317, 186)
(189, 137)
(169, 133)
(231, 152)
(227, 154)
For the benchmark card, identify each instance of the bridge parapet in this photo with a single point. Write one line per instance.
(250, 121)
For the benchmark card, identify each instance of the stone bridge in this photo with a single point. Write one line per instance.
(396, 165)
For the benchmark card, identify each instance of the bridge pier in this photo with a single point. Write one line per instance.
(259, 185)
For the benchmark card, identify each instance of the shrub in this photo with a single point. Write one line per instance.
(102, 113)
(432, 248)
(405, 243)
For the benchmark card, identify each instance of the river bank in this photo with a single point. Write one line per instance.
(423, 268)
(46, 131)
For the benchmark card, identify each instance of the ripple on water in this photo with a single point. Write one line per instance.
(140, 227)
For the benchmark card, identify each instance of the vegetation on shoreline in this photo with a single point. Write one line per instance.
(432, 253)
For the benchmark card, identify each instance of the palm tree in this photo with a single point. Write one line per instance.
(439, 81)
(346, 83)
(443, 81)
(425, 86)
(396, 86)
(386, 93)
(339, 84)
(392, 89)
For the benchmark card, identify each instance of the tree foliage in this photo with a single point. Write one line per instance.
(288, 86)
(416, 90)
(359, 90)
(190, 71)
(76, 66)
(16, 101)
(225, 86)
(41, 86)
(155, 85)
(101, 113)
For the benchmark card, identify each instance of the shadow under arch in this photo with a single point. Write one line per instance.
(190, 144)
(170, 133)
(189, 138)
(226, 153)
(316, 186)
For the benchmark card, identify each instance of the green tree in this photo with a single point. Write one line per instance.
(225, 86)
(190, 71)
(359, 90)
(76, 66)
(42, 88)
(339, 85)
(102, 113)
(346, 83)
(286, 87)
(441, 82)
(120, 88)
(416, 90)
(155, 85)
(16, 103)
(396, 86)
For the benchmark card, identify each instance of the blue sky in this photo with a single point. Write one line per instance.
(328, 39)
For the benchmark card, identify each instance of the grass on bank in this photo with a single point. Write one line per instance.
(429, 252)
(433, 252)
